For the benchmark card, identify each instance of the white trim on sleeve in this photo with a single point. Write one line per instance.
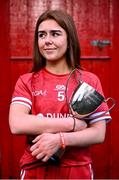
(18, 102)
(98, 116)
(22, 100)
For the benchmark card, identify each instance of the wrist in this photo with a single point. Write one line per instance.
(73, 124)
(62, 141)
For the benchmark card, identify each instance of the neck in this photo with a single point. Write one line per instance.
(58, 68)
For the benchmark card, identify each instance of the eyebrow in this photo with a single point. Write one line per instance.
(42, 31)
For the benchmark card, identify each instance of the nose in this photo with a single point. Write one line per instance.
(48, 39)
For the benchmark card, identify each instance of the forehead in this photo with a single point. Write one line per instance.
(49, 24)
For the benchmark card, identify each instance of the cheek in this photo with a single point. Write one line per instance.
(40, 46)
(64, 41)
(64, 45)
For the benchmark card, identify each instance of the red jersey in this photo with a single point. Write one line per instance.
(44, 93)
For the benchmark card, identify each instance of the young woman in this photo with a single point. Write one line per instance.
(39, 108)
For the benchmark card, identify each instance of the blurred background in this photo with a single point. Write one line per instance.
(97, 23)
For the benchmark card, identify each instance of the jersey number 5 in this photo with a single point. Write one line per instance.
(61, 95)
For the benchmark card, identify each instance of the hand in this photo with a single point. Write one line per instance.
(45, 145)
(80, 125)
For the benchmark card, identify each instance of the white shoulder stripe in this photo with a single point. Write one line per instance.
(18, 102)
(96, 115)
(106, 118)
(21, 99)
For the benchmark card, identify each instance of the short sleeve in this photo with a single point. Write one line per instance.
(102, 112)
(22, 92)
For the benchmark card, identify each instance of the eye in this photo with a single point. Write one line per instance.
(41, 35)
(55, 34)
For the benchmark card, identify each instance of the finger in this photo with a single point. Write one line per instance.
(45, 159)
(35, 152)
(36, 139)
(40, 156)
(33, 147)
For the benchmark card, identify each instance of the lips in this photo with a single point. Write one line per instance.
(49, 49)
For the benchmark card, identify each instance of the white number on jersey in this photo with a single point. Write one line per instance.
(61, 95)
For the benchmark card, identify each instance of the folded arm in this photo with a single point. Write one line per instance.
(47, 144)
(21, 122)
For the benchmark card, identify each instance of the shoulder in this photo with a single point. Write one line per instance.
(29, 79)
(26, 77)
(89, 77)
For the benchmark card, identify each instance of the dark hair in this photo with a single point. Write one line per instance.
(73, 50)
